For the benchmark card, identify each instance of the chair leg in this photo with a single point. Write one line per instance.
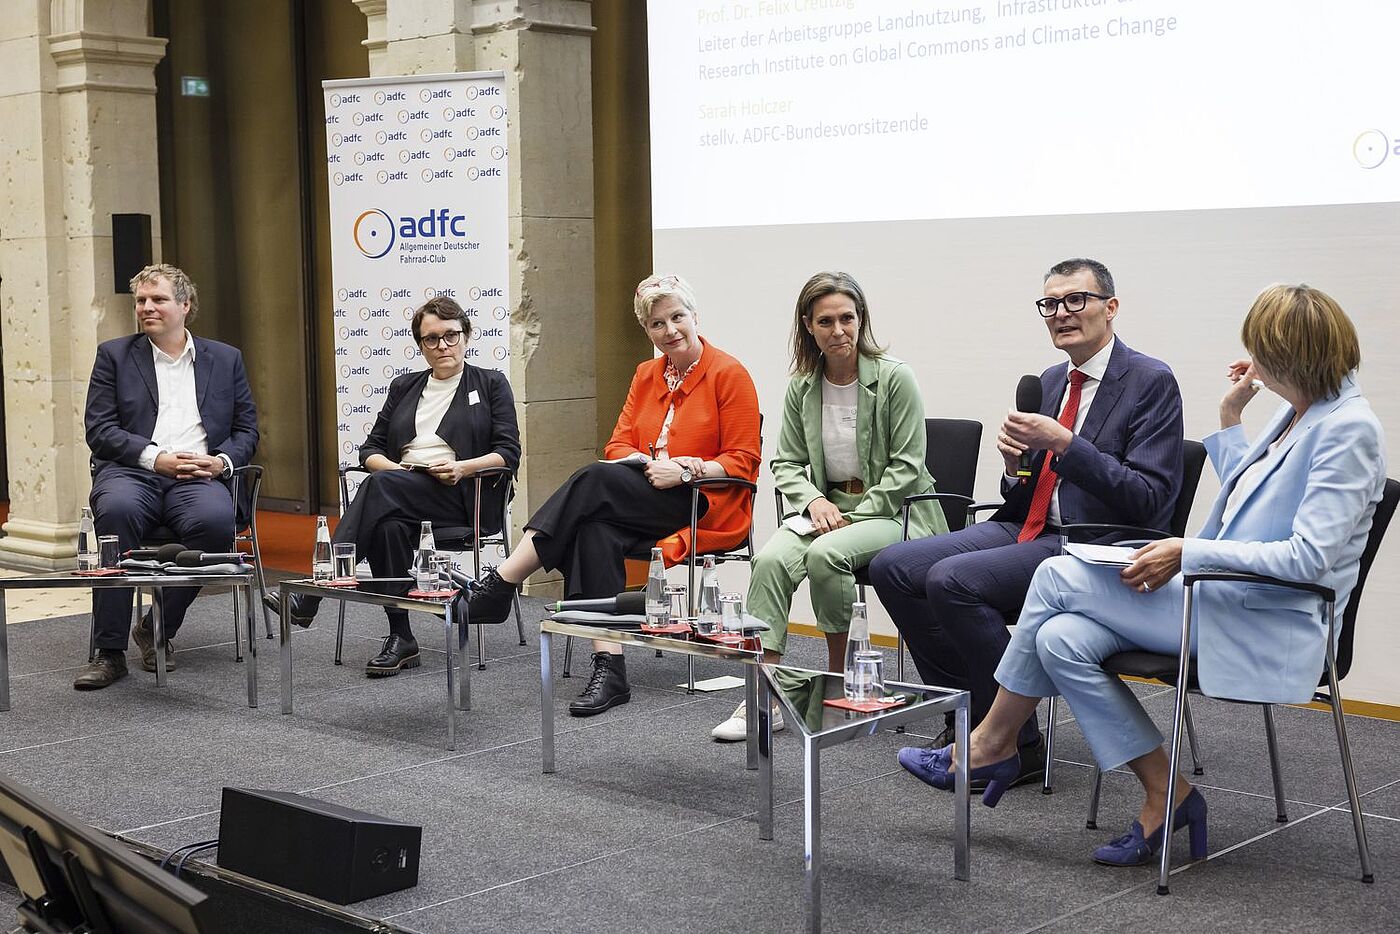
(238, 636)
(1334, 700)
(1174, 762)
(340, 632)
(262, 584)
(568, 654)
(1196, 767)
(1048, 788)
(519, 623)
(899, 657)
(92, 640)
(1092, 821)
(1272, 734)
(480, 650)
(690, 674)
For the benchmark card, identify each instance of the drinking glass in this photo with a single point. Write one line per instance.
(731, 611)
(344, 555)
(108, 550)
(867, 677)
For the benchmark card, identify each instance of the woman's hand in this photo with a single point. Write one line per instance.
(825, 516)
(450, 472)
(1242, 376)
(696, 465)
(664, 473)
(1153, 565)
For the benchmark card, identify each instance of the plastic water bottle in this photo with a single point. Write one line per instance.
(708, 620)
(857, 640)
(321, 567)
(87, 542)
(425, 574)
(658, 607)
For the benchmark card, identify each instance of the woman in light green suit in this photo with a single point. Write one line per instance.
(851, 448)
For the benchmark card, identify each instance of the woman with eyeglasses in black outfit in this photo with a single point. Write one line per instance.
(454, 419)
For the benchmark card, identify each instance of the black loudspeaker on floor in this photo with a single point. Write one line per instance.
(314, 847)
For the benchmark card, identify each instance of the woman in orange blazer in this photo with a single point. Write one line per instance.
(690, 413)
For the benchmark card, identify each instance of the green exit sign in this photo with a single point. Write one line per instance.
(194, 87)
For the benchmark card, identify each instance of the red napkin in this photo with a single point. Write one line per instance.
(870, 706)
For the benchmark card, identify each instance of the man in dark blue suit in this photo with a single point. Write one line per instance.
(1107, 448)
(169, 416)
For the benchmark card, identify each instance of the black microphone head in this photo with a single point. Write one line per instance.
(631, 603)
(1028, 394)
(188, 558)
(170, 552)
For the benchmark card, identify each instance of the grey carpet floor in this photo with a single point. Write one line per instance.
(649, 826)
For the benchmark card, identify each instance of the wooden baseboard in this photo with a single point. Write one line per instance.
(1356, 708)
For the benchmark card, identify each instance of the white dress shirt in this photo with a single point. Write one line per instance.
(179, 427)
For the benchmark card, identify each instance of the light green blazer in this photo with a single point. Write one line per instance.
(890, 442)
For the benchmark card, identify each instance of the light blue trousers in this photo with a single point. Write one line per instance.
(1074, 617)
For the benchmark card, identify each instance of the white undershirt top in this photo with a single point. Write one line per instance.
(179, 427)
(839, 431)
(426, 447)
(1251, 478)
(1093, 370)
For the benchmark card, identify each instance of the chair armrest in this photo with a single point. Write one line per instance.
(488, 472)
(702, 482)
(778, 504)
(941, 497)
(353, 468)
(1077, 531)
(975, 508)
(1242, 577)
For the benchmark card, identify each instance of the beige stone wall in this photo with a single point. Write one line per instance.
(77, 77)
(544, 48)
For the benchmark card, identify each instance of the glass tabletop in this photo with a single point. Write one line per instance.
(802, 693)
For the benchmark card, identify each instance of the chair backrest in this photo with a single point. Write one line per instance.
(1193, 456)
(1385, 510)
(953, 445)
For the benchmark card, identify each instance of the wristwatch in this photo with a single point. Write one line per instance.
(686, 475)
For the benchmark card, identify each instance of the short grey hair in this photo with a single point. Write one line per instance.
(654, 288)
(180, 284)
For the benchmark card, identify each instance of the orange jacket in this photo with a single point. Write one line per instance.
(716, 419)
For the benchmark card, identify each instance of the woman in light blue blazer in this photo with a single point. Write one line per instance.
(1296, 503)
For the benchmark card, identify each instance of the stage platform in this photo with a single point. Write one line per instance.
(648, 825)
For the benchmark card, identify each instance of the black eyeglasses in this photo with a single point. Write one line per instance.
(450, 338)
(1074, 302)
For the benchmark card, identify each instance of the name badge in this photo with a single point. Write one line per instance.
(473, 397)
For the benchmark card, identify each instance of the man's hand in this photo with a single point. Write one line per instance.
(1010, 450)
(1153, 565)
(450, 472)
(825, 516)
(1036, 432)
(182, 465)
(664, 473)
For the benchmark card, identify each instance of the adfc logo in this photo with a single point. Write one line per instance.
(374, 233)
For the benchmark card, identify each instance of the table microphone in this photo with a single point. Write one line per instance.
(187, 558)
(1027, 400)
(626, 603)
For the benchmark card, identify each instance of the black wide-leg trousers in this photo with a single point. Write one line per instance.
(601, 515)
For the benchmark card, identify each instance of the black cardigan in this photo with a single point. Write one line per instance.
(470, 430)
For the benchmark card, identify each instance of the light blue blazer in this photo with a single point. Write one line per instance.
(1306, 520)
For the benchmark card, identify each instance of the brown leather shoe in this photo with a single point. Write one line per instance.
(145, 638)
(101, 672)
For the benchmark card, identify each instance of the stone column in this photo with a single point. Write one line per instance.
(77, 103)
(544, 48)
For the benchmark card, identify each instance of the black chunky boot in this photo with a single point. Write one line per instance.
(491, 599)
(606, 688)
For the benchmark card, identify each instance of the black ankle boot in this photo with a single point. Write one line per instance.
(606, 688)
(491, 600)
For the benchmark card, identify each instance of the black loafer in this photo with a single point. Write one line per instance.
(398, 653)
(101, 672)
(145, 638)
(302, 610)
(606, 688)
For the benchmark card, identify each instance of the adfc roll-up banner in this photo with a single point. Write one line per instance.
(418, 201)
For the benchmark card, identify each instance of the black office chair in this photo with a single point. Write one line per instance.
(1193, 456)
(951, 458)
(453, 538)
(245, 533)
(1181, 668)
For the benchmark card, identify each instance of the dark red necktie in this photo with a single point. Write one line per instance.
(1045, 483)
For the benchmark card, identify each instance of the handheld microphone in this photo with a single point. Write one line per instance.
(196, 559)
(627, 603)
(1027, 400)
(142, 554)
(464, 581)
(168, 553)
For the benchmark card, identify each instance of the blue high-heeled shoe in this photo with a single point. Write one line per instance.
(934, 767)
(1134, 849)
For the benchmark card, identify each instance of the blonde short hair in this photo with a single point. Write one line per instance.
(654, 288)
(180, 285)
(1301, 336)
